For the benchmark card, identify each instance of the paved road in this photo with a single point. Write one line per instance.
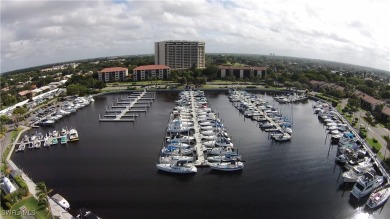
(372, 131)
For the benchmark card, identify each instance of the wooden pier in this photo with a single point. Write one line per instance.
(200, 159)
(127, 105)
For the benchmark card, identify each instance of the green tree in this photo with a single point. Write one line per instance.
(3, 120)
(18, 113)
(43, 196)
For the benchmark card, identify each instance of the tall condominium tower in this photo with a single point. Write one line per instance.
(180, 54)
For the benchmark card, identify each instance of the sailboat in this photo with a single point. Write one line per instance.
(177, 166)
(228, 166)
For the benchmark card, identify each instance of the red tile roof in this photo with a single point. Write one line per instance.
(371, 100)
(386, 111)
(23, 93)
(242, 68)
(113, 69)
(151, 67)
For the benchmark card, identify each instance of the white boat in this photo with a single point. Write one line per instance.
(230, 166)
(223, 158)
(64, 132)
(378, 197)
(366, 184)
(284, 137)
(208, 132)
(61, 201)
(172, 150)
(182, 139)
(223, 151)
(73, 135)
(169, 159)
(37, 144)
(55, 133)
(47, 142)
(179, 167)
(47, 122)
(219, 142)
(353, 174)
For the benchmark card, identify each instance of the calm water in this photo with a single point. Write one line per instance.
(112, 172)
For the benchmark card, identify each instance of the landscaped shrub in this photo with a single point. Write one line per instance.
(375, 140)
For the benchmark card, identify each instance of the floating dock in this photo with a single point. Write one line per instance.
(200, 159)
(136, 102)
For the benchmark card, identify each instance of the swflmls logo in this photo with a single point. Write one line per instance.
(17, 213)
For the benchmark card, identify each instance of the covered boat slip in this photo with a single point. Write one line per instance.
(126, 106)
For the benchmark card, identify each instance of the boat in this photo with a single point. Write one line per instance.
(179, 167)
(366, 184)
(169, 159)
(73, 135)
(378, 197)
(21, 147)
(284, 137)
(47, 142)
(64, 132)
(219, 142)
(54, 141)
(47, 122)
(64, 139)
(37, 144)
(55, 133)
(353, 174)
(223, 158)
(173, 150)
(61, 201)
(229, 167)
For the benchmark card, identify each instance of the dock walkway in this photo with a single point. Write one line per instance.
(200, 159)
(122, 110)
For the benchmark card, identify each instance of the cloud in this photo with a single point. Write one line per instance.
(44, 32)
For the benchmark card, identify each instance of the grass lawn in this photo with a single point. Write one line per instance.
(14, 134)
(376, 145)
(32, 205)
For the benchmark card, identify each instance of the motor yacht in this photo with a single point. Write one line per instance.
(61, 201)
(366, 184)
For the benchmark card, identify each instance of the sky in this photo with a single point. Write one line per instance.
(44, 32)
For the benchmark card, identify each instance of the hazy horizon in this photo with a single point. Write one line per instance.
(350, 32)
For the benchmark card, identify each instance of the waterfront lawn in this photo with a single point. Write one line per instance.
(32, 204)
(14, 134)
(374, 144)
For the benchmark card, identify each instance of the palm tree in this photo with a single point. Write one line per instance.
(43, 196)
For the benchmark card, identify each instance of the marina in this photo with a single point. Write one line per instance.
(293, 179)
(260, 110)
(194, 129)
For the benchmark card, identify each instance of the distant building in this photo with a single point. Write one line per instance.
(241, 72)
(180, 54)
(150, 71)
(113, 74)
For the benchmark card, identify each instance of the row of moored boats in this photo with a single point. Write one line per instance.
(195, 129)
(359, 167)
(260, 110)
(66, 109)
(51, 138)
